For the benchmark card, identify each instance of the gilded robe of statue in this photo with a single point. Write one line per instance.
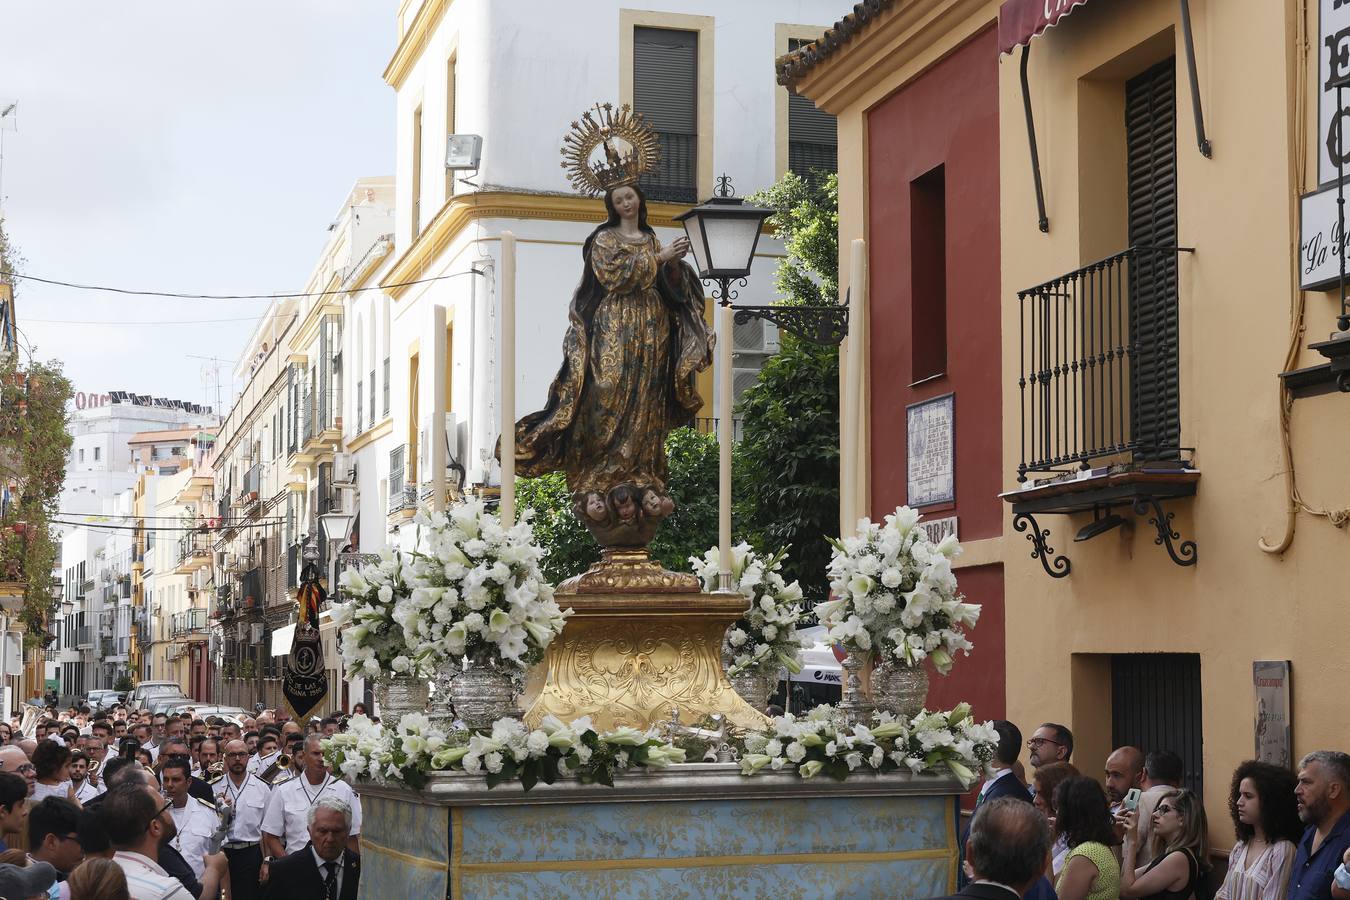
(635, 339)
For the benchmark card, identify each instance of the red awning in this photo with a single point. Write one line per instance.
(1021, 20)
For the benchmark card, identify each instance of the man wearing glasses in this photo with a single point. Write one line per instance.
(1051, 743)
(136, 819)
(53, 835)
(246, 795)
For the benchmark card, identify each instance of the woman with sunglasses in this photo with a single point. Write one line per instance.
(1180, 850)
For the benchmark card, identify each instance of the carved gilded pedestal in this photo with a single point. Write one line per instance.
(627, 658)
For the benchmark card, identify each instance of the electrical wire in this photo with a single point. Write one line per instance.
(185, 296)
(141, 322)
(198, 529)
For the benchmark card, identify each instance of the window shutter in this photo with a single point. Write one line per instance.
(1150, 128)
(665, 90)
(812, 137)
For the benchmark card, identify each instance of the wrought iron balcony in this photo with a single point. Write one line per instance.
(1099, 399)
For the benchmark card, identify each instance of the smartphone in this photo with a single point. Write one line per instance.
(1131, 801)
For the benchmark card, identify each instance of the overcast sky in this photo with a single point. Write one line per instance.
(195, 147)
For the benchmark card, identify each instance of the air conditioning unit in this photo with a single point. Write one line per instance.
(755, 336)
(344, 470)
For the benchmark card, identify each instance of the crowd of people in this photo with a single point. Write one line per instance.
(126, 804)
(1054, 832)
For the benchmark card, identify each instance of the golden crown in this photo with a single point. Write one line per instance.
(609, 129)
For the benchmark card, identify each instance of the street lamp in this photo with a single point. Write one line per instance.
(723, 233)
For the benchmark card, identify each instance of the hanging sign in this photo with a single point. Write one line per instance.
(1333, 56)
(1319, 240)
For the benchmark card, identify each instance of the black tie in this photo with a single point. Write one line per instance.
(330, 881)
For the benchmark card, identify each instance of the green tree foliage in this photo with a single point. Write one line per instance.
(692, 529)
(806, 217)
(570, 549)
(34, 442)
(787, 467)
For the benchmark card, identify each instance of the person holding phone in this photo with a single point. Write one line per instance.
(1181, 850)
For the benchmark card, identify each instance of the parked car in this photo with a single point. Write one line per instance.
(161, 703)
(205, 710)
(147, 689)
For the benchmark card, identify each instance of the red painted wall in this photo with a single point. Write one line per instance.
(947, 116)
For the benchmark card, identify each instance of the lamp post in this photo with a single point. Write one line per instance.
(723, 233)
(336, 527)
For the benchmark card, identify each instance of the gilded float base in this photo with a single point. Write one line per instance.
(627, 659)
(629, 571)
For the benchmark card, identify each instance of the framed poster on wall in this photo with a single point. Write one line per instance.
(931, 444)
(1274, 731)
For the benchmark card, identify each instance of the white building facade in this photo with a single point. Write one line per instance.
(518, 75)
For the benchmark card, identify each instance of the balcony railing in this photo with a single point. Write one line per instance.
(1096, 374)
(402, 492)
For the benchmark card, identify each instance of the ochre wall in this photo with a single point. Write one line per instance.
(1238, 604)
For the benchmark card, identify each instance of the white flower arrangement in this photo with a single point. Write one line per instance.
(893, 590)
(929, 743)
(765, 638)
(470, 588)
(480, 590)
(373, 640)
(510, 752)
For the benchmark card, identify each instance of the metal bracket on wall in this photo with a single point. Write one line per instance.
(1059, 566)
(1183, 554)
(1206, 149)
(1042, 221)
(825, 324)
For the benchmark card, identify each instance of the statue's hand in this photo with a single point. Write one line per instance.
(676, 250)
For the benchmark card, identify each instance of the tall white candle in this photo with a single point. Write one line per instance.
(508, 370)
(850, 405)
(858, 329)
(724, 403)
(439, 402)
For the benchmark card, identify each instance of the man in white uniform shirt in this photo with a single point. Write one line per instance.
(269, 746)
(196, 819)
(247, 796)
(285, 825)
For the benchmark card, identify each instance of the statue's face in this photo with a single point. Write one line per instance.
(626, 202)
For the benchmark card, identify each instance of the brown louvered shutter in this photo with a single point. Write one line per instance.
(665, 90)
(1151, 134)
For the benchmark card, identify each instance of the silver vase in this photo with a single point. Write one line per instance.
(853, 703)
(753, 688)
(399, 695)
(899, 689)
(482, 694)
(441, 711)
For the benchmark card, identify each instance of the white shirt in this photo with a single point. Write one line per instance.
(989, 782)
(197, 821)
(147, 881)
(287, 815)
(250, 803)
(86, 791)
(998, 884)
(321, 862)
(258, 764)
(42, 791)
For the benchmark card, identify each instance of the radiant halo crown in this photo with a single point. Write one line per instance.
(606, 127)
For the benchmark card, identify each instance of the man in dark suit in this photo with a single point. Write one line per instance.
(1003, 780)
(1008, 849)
(324, 869)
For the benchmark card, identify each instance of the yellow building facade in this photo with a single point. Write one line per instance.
(1179, 432)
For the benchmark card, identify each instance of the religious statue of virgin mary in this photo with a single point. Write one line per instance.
(635, 339)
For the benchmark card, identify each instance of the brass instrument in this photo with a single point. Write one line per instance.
(283, 761)
(216, 769)
(94, 766)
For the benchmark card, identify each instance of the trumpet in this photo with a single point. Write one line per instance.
(283, 761)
